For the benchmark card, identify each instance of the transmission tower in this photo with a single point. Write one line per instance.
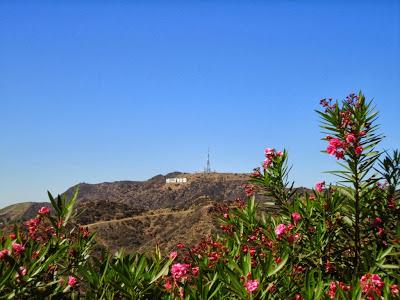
(208, 168)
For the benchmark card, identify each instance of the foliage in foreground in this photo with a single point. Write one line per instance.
(339, 242)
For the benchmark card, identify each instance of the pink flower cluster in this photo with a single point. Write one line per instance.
(32, 225)
(173, 255)
(394, 289)
(338, 147)
(4, 253)
(44, 211)
(22, 271)
(320, 186)
(71, 281)
(251, 285)
(256, 173)
(333, 288)
(296, 217)
(371, 284)
(18, 248)
(249, 190)
(281, 229)
(179, 270)
(270, 155)
(327, 104)
(84, 231)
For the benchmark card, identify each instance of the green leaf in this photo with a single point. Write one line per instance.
(279, 266)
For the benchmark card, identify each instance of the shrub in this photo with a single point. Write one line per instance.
(340, 241)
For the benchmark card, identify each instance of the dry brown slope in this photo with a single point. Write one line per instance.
(167, 228)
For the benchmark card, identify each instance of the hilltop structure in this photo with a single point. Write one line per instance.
(207, 169)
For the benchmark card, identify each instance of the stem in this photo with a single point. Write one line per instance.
(357, 223)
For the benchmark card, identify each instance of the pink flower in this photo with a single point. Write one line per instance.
(394, 289)
(350, 138)
(249, 190)
(12, 236)
(377, 222)
(168, 284)
(332, 290)
(296, 217)
(173, 255)
(298, 269)
(339, 154)
(33, 226)
(43, 210)
(336, 143)
(331, 150)
(179, 270)
(359, 150)
(256, 173)
(392, 203)
(320, 186)
(344, 287)
(371, 284)
(328, 266)
(336, 147)
(71, 281)
(381, 231)
(195, 271)
(269, 151)
(22, 271)
(294, 237)
(84, 232)
(251, 285)
(280, 153)
(3, 253)
(33, 222)
(280, 230)
(18, 248)
(267, 163)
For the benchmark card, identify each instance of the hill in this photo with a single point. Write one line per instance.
(20, 212)
(147, 212)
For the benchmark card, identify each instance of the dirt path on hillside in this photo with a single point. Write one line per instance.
(142, 217)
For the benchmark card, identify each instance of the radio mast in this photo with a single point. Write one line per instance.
(208, 168)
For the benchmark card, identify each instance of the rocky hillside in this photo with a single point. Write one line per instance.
(147, 212)
(20, 212)
(122, 199)
(137, 215)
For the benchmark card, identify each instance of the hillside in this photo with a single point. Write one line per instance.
(20, 212)
(147, 212)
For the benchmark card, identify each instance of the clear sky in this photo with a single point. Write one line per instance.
(94, 91)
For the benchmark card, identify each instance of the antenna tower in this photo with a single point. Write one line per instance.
(208, 168)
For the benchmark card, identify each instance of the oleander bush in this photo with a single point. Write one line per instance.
(339, 242)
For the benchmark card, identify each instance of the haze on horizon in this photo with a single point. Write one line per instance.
(95, 91)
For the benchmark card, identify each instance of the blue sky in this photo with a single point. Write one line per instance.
(94, 91)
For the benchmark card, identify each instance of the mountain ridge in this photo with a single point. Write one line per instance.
(150, 212)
